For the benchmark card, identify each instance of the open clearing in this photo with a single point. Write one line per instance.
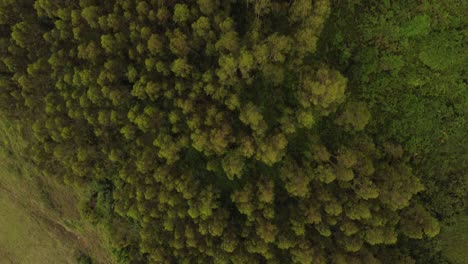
(39, 221)
(455, 241)
(25, 238)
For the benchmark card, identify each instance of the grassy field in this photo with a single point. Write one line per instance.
(455, 241)
(39, 221)
(26, 238)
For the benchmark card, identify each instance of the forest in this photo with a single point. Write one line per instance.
(248, 131)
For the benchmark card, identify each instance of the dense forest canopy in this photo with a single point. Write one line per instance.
(266, 131)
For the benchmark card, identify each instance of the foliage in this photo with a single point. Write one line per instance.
(407, 61)
(82, 258)
(224, 131)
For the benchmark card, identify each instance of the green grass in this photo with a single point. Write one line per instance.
(25, 238)
(455, 241)
(39, 221)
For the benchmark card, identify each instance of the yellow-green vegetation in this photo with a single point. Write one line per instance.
(39, 218)
(250, 131)
(455, 240)
(26, 238)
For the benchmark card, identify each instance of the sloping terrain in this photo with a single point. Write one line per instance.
(39, 221)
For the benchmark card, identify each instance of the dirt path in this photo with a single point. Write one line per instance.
(44, 220)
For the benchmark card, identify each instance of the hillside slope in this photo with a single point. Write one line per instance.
(39, 220)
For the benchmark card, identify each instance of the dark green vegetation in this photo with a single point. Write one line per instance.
(267, 131)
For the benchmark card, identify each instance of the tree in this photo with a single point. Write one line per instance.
(91, 15)
(181, 13)
(225, 131)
